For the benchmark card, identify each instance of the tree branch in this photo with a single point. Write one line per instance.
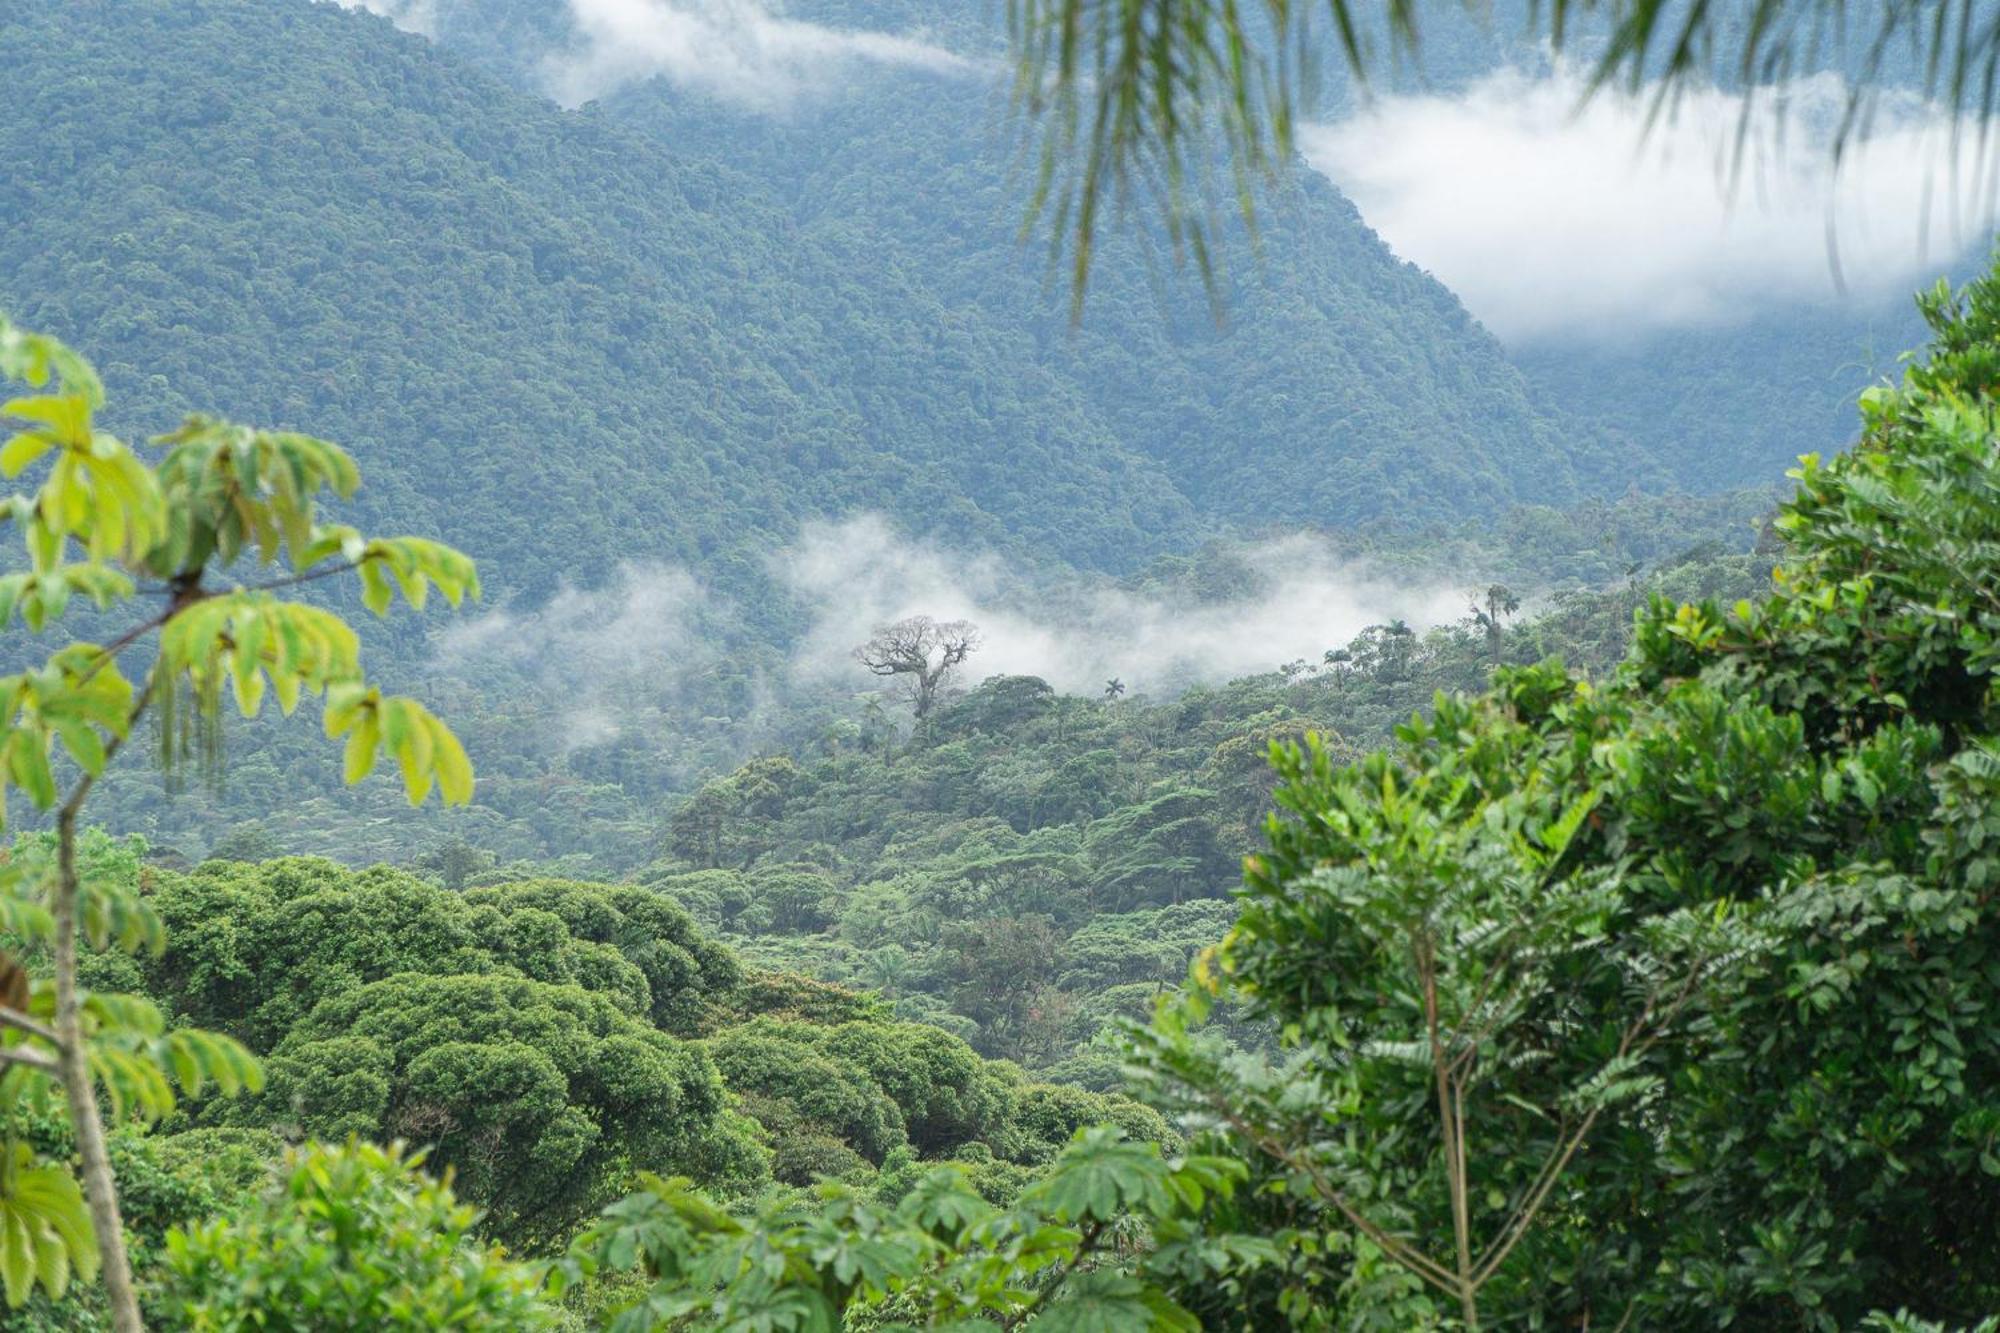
(186, 595)
(30, 1058)
(1092, 1230)
(1531, 1207)
(1403, 1253)
(1629, 1043)
(20, 1022)
(310, 576)
(100, 1187)
(110, 651)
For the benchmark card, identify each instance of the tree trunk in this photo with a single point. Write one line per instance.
(99, 1188)
(1451, 1125)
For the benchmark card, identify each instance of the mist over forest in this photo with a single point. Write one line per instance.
(881, 665)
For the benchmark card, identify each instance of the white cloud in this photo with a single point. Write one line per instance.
(1553, 215)
(587, 649)
(857, 575)
(603, 659)
(418, 16)
(646, 613)
(735, 49)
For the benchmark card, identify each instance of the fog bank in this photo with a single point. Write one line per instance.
(1558, 217)
(858, 574)
(737, 50)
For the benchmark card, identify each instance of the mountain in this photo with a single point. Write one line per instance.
(1734, 406)
(920, 180)
(1342, 386)
(661, 331)
(566, 339)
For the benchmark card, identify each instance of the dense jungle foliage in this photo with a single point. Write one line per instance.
(1618, 952)
(781, 319)
(1656, 992)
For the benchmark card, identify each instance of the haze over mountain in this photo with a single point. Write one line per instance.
(667, 331)
(714, 369)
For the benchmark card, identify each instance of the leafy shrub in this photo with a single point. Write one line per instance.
(350, 1239)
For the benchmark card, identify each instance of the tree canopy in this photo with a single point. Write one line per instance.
(1657, 998)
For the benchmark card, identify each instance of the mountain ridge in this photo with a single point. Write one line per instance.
(459, 281)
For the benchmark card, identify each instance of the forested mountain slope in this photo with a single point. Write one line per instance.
(919, 181)
(1732, 406)
(1341, 386)
(545, 333)
(305, 217)
(1715, 405)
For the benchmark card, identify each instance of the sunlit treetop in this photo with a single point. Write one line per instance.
(207, 539)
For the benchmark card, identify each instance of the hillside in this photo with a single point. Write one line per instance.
(616, 345)
(666, 334)
(1732, 406)
(1704, 408)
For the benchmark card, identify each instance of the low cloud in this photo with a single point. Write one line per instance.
(586, 649)
(1302, 600)
(418, 16)
(643, 615)
(1553, 216)
(734, 49)
(596, 661)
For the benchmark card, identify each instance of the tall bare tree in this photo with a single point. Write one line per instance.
(922, 654)
(1499, 603)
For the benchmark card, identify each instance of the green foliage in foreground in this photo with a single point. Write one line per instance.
(941, 1256)
(349, 1240)
(202, 540)
(1666, 1000)
(540, 1098)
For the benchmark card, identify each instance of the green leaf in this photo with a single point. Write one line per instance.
(22, 450)
(359, 759)
(45, 1231)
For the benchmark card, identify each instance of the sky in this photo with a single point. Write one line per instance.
(1556, 217)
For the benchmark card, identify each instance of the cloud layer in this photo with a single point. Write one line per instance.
(604, 658)
(857, 575)
(595, 651)
(735, 49)
(647, 613)
(1553, 216)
